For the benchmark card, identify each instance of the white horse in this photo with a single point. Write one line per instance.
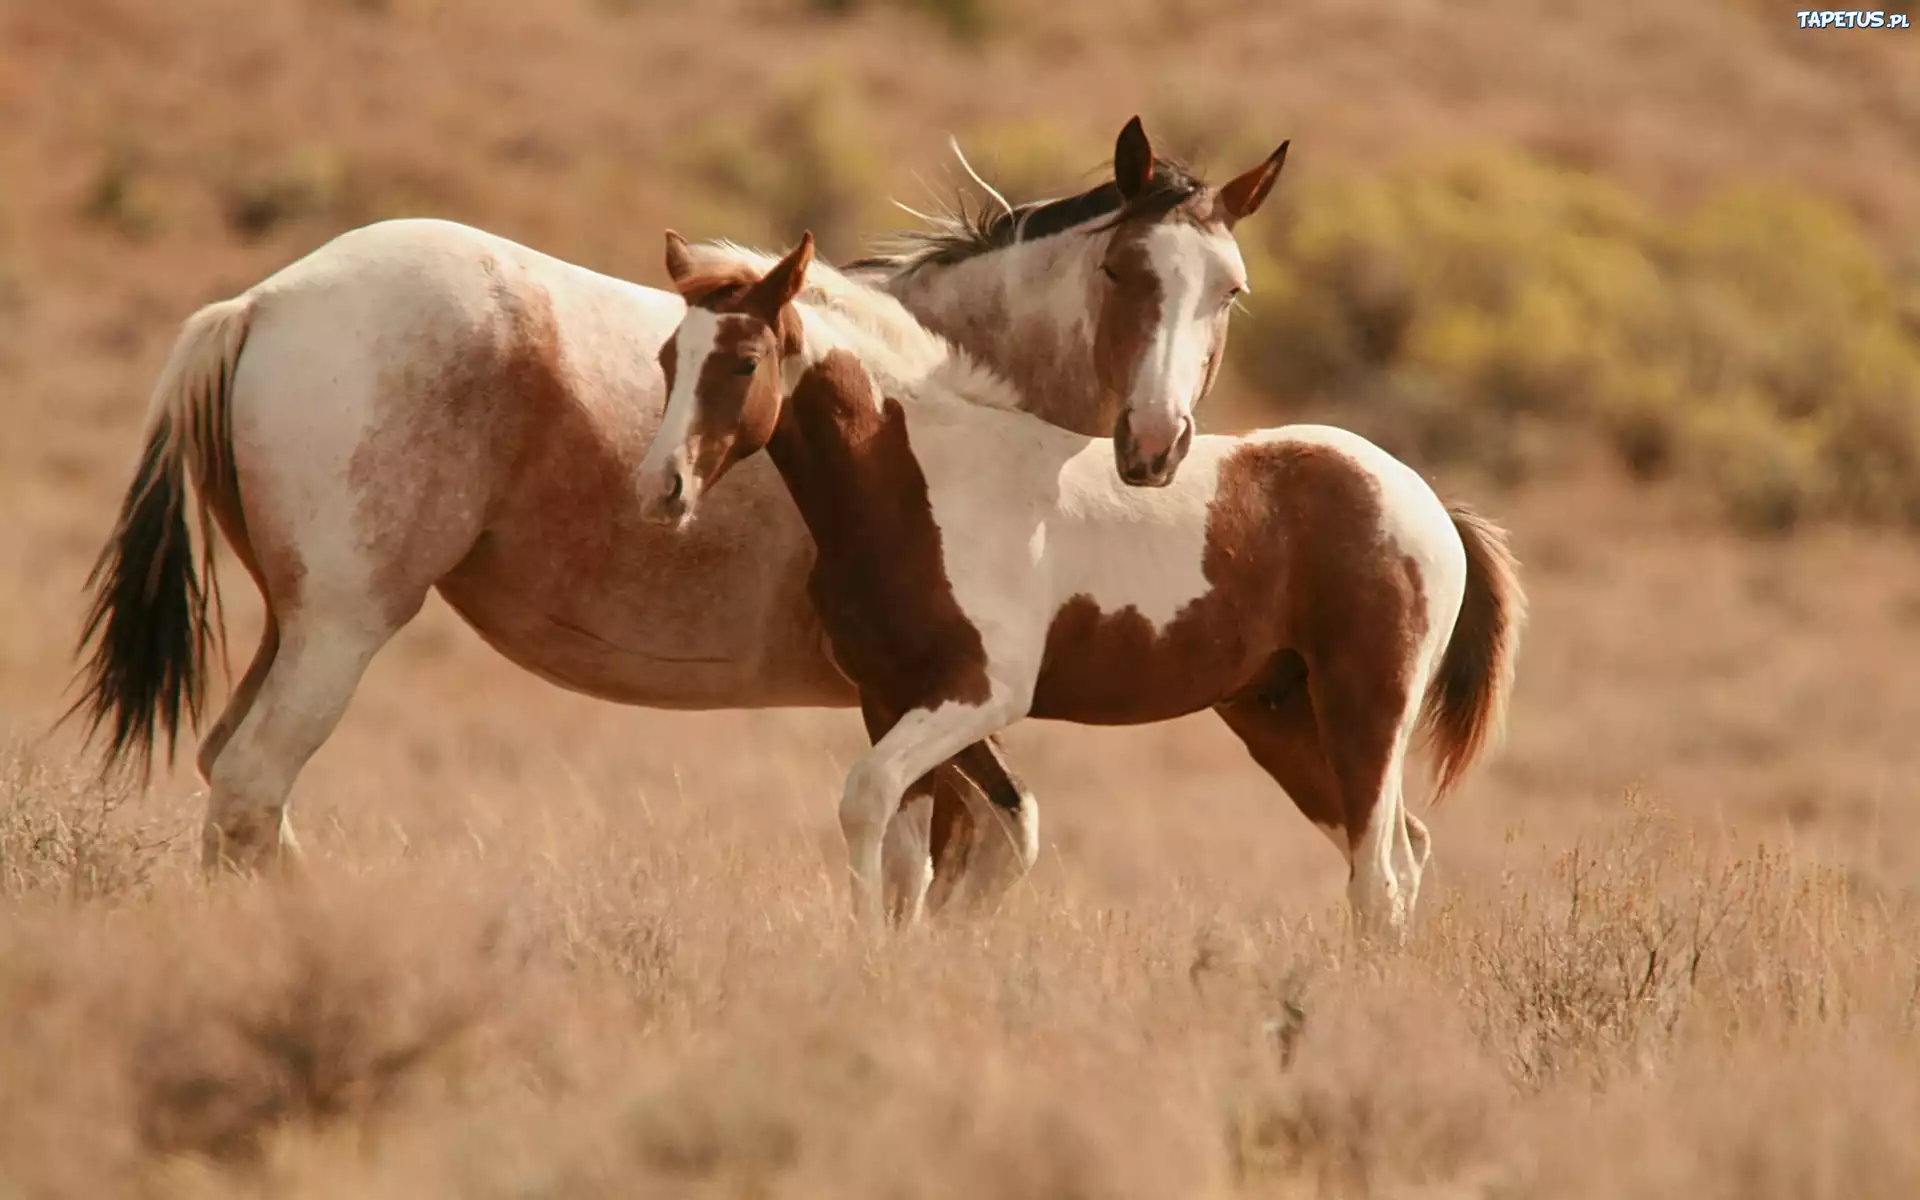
(420, 405)
(976, 565)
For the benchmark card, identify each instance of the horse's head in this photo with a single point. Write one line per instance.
(723, 371)
(1170, 273)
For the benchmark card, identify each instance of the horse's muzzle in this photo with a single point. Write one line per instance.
(668, 502)
(1150, 462)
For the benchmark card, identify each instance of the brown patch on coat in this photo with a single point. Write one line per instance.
(1282, 735)
(1294, 563)
(879, 583)
(1305, 641)
(460, 423)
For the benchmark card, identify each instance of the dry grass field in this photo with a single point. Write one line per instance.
(1670, 942)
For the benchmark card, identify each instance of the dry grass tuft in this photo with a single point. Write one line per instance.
(660, 1009)
(62, 834)
(320, 1013)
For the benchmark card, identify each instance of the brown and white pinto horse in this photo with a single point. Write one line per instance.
(977, 565)
(418, 405)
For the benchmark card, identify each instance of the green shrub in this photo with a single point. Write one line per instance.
(966, 21)
(261, 194)
(1487, 307)
(119, 194)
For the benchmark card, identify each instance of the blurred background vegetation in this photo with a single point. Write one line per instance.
(1480, 306)
(1498, 248)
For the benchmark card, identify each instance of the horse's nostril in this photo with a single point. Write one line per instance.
(679, 486)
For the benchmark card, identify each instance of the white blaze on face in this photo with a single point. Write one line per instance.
(1197, 270)
(695, 341)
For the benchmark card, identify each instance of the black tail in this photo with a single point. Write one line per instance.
(154, 614)
(147, 623)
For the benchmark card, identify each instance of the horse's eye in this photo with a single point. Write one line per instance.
(1109, 273)
(746, 366)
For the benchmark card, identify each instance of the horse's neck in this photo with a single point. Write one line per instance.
(842, 450)
(1026, 311)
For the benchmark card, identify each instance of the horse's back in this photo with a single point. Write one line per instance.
(1409, 508)
(409, 272)
(1408, 518)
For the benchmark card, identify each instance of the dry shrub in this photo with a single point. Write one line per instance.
(1382, 1089)
(862, 1108)
(1629, 948)
(205, 1025)
(120, 194)
(261, 193)
(663, 1010)
(1823, 1121)
(316, 1009)
(1484, 307)
(61, 834)
(967, 22)
(1595, 966)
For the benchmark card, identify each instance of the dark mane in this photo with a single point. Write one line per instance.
(963, 234)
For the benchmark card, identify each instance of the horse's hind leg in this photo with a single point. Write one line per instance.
(244, 694)
(1280, 732)
(1366, 710)
(952, 838)
(303, 688)
(969, 829)
(969, 819)
(1278, 729)
(986, 829)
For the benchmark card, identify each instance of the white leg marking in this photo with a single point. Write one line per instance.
(1421, 844)
(1387, 864)
(921, 741)
(907, 860)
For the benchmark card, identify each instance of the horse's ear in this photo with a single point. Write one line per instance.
(679, 257)
(1132, 160)
(1242, 195)
(780, 285)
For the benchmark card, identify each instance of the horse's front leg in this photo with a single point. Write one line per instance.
(906, 854)
(920, 740)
